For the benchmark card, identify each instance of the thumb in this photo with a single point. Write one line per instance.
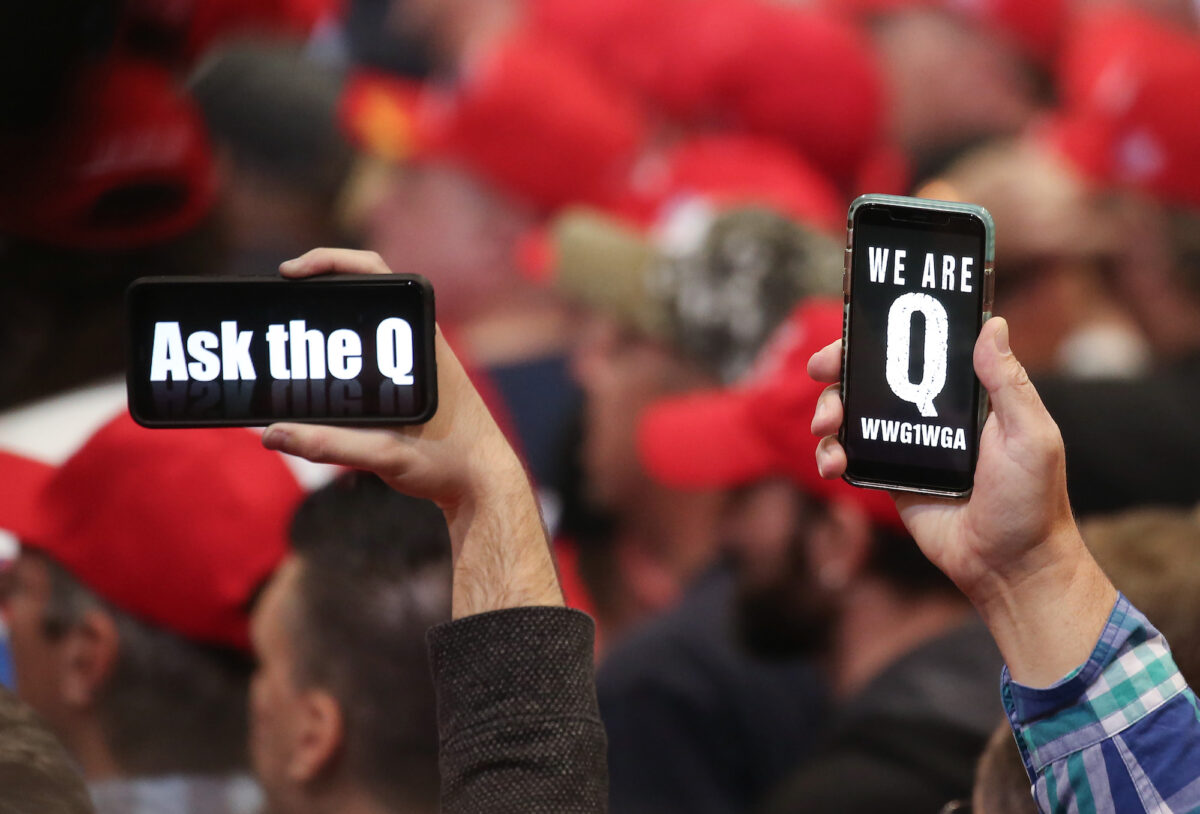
(1013, 397)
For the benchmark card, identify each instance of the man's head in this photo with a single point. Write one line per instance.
(1063, 236)
(952, 81)
(271, 113)
(160, 703)
(127, 607)
(794, 588)
(1125, 78)
(1001, 784)
(821, 537)
(525, 129)
(342, 706)
(686, 305)
(1150, 555)
(683, 305)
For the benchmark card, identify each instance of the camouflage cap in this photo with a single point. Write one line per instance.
(712, 284)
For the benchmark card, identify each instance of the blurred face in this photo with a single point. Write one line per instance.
(437, 221)
(621, 374)
(782, 611)
(951, 81)
(26, 594)
(274, 697)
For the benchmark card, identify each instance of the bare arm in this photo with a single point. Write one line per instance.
(460, 460)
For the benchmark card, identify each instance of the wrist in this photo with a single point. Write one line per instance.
(1047, 611)
(501, 553)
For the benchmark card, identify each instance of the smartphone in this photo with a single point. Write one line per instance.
(917, 286)
(335, 349)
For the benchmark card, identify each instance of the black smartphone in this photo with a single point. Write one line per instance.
(918, 285)
(335, 349)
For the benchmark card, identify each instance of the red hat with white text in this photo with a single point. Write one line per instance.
(132, 167)
(1131, 104)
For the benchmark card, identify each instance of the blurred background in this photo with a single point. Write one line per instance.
(620, 202)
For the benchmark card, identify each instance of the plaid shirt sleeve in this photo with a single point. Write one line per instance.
(1119, 734)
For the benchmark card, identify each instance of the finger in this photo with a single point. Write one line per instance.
(831, 458)
(826, 364)
(1013, 397)
(377, 451)
(828, 415)
(323, 261)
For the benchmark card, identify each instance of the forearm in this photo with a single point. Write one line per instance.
(502, 555)
(1047, 615)
(1121, 732)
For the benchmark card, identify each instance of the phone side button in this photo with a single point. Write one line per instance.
(846, 274)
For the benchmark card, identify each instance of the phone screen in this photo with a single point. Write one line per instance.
(919, 287)
(341, 349)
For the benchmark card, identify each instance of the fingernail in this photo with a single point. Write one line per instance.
(1002, 338)
(275, 437)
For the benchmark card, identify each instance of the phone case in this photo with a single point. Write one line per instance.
(429, 357)
(989, 282)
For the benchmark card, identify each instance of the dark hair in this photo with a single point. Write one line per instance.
(375, 575)
(36, 773)
(1182, 227)
(275, 110)
(170, 705)
(896, 557)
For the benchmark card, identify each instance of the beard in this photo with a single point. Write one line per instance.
(787, 616)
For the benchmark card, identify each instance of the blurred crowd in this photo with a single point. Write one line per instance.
(632, 213)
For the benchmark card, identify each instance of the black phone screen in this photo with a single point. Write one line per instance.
(341, 349)
(917, 295)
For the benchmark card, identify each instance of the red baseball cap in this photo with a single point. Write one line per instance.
(1036, 26)
(813, 81)
(176, 527)
(760, 428)
(737, 169)
(676, 54)
(130, 167)
(1130, 85)
(529, 117)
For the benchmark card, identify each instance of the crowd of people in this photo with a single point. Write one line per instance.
(618, 570)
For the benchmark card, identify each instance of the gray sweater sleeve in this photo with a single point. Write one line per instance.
(520, 728)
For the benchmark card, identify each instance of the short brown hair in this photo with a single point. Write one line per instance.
(375, 576)
(1151, 556)
(1001, 784)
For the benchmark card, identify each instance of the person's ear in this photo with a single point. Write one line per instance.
(319, 735)
(87, 657)
(840, 545)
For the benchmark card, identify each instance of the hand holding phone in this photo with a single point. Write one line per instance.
(918, 288)
(459, 459)
(1012, 547)
(340, 349)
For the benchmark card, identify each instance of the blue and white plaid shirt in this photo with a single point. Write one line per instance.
(1119, 734)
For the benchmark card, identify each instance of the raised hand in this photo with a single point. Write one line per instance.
(1012, 547)
(459, 459)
